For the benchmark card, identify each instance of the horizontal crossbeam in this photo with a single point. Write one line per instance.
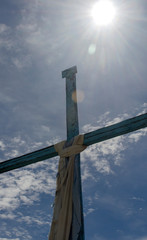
(115, 130)
(90, 138)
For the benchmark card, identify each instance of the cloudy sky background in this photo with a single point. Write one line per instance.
(38, 40)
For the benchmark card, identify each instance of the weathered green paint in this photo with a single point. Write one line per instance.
(118, 129)
(28, 159)
(72, 131)
(71, 106)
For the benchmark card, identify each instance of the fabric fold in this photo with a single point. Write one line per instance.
(62, 216)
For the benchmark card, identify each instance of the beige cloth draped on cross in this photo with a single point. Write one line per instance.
(62, 216)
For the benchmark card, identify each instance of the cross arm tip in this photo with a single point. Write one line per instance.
(69, 72)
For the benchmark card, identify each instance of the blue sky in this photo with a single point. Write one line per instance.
(38, 40)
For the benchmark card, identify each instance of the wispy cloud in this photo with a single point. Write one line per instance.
(13, 51)
(16, 233)
(4, 98)
(24, 187)
(9, 239)
(98, 237)
(101, 154)
(21, 61)
(30, 220)
(8, 216)
(21, 144)
(2, 146)
(136, 136)
(33, 31)
(3, 28)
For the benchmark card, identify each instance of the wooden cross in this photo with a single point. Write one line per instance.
(99, 135)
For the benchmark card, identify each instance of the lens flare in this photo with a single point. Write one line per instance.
(78, 96)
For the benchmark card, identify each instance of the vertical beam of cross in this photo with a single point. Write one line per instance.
(71, 103)
(73, 130)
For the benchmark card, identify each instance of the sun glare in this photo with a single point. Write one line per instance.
(103, 12)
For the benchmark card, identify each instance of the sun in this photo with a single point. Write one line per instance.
(103, 12)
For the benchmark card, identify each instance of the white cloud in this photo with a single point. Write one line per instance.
(22, 61)
(2, 146)
(28, 28)
(24, 186)
(19, 145)
(99, 154)
(13, 147)
(86, 172)
(89, 128)
(30, 38)
(15, 52)
(6, 40)
(37, 145)
(143, 238)
(104, 121)
(90, 210)
(37, 32)
(145, 105)
(4, 98)
(45, 128)
(9, 239)
(30, 220)
(18, 140)
(12, 154)
(136, 136)
(137, 199)
(8, 216)
(3, 28)
(117, 119)
(132, 237)
(19, 232)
